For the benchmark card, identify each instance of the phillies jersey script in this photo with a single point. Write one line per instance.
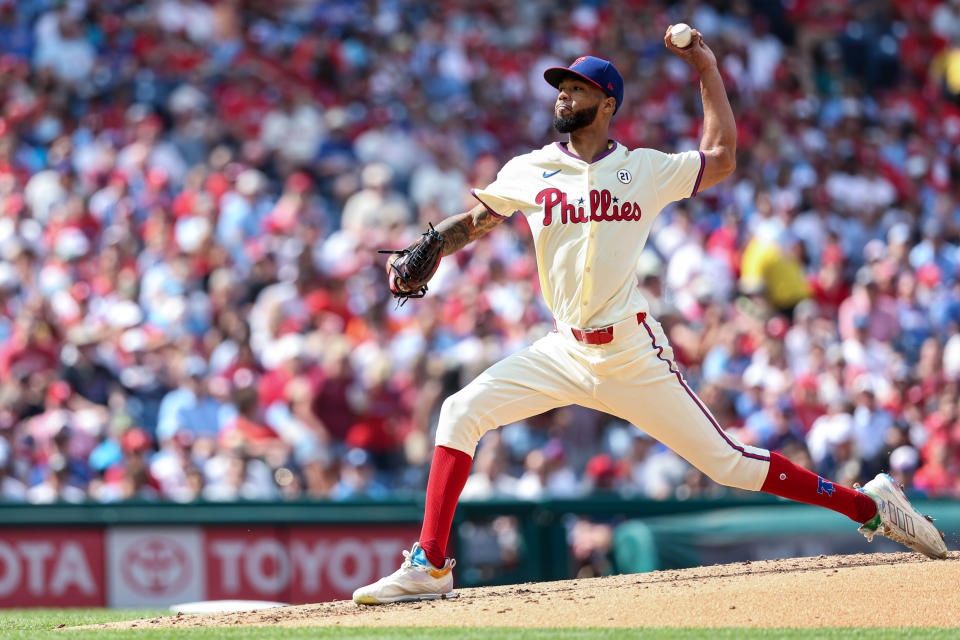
(590, 221)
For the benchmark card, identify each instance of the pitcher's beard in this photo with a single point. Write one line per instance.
(576, 120)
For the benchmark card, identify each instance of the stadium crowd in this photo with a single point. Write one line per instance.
(192, 193)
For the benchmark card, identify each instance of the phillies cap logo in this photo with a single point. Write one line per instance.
(578, 61)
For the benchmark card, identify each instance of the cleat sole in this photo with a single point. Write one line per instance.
(370, 600)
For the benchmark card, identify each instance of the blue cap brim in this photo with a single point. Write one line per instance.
(554, 75)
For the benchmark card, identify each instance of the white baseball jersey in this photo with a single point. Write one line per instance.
(590, 221)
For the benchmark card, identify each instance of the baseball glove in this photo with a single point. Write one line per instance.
(414, 266)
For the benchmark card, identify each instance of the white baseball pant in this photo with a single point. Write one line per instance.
(633, 377)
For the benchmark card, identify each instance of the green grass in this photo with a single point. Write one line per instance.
(23, 624)
(32, 623)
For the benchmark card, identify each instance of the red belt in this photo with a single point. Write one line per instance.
(603, 335)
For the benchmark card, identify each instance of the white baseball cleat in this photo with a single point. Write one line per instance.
(898, 520)
(416, 579)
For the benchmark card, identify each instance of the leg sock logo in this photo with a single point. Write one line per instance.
(825, 487)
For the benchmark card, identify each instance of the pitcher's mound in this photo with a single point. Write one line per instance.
(881, 589)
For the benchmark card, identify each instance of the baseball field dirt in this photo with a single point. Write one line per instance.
(824, 591)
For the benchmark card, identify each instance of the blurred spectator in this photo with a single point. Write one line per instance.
(190, 407)
(489, 478)
(55, 484)
(903, 464)
(63, 48)
(602, 473)
(232, 475)
(591, 543)
(830, 440)
(376, 206)
(358, 478)
(546, 474)
(11, 488)
(939, 474)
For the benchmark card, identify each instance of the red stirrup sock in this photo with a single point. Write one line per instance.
(787, 480)
(448, 474)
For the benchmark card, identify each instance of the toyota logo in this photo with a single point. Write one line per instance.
(155, 566)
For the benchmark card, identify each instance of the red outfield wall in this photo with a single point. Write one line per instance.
(150, 566)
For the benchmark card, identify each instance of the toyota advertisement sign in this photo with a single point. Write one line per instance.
(51, 567)
(159, 566)
(300, 564)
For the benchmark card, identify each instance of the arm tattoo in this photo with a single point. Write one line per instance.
(460, 230)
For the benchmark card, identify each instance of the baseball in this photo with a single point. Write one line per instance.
(680, 35)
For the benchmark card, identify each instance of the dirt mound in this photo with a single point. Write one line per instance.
(885, 590)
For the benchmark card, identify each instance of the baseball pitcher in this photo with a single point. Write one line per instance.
(590, 203)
